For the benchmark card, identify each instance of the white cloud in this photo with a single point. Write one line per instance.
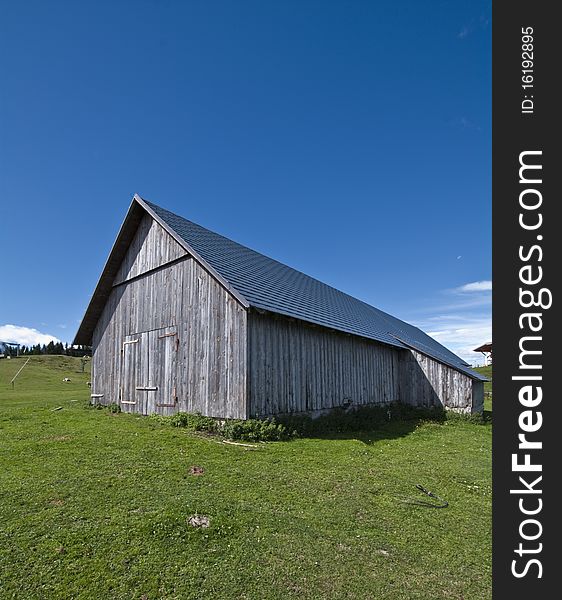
(459, 318)
(460, 333)
(25, 335)
(475, 286)
(462, 321)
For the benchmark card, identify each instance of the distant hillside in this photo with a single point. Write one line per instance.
(43, 375)
(487, 372)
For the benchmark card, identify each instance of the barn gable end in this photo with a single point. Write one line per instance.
(170, 337)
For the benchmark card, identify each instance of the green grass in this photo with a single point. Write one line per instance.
(95, 505)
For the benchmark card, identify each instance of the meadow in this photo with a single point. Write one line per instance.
(95, 504)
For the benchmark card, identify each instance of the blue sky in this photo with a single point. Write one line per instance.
(349, 139)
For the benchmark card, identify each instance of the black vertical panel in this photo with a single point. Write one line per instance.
(515, 132)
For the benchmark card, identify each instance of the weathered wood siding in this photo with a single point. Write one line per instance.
(426, 382)
(151, 247)
(191, 335)
(294, 367)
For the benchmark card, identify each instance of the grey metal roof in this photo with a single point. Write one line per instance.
(272, 286)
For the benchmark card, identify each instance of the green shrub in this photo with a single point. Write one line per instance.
(256, 430)
(194, 422)
(179, 419)
(114, 408)
(94, 405)
(251, 430)
(198, 422)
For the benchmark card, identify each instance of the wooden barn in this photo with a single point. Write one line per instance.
(184, 319)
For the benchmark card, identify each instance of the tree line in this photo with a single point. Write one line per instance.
(50, 348)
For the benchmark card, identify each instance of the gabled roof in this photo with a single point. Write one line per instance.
(264, 283)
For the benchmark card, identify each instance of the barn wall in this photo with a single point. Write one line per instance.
(294, 367)
(171, 298)
(426, 382)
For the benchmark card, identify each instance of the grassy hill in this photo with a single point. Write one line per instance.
(96, 505)
(487, 372)
(45, 373)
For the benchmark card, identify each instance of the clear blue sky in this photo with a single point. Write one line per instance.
(349, 139)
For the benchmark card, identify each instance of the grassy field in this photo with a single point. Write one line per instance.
(96, 505)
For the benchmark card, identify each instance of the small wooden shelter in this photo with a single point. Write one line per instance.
(184, 319)
(486, 350)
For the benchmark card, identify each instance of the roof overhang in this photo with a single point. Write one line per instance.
(487, 347)
(105, 282)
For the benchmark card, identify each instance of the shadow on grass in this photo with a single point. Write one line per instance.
(370, 424)
(384, 431)
(487, 416)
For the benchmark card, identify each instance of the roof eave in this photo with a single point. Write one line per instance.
(261, 309)
(103, 288)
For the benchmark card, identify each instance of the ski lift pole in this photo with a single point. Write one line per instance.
(21, 369)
